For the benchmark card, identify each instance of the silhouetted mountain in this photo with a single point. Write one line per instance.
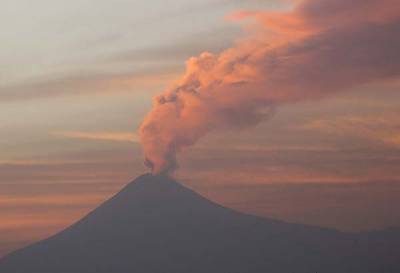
(155, 225)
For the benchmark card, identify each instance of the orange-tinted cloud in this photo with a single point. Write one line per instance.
(320, 48)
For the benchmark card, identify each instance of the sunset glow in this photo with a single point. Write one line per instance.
(288, 109)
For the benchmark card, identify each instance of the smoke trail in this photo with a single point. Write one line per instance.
(320, 48)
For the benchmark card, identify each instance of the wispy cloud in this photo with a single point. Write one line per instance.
(40, 162)
(101, 136)
(53, 199)
(382, 129)
(90, 83)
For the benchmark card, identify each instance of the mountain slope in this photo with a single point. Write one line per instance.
(155, 225)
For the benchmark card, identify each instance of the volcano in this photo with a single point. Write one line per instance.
(156, 225)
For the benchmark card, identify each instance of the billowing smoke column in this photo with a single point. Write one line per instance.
(320, 48)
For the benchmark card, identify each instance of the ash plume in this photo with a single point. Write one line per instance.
(319, 48)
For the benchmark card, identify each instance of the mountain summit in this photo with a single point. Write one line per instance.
(156, 225)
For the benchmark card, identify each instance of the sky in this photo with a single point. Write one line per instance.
(77, 79)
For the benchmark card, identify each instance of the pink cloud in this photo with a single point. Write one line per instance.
(316, 50)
